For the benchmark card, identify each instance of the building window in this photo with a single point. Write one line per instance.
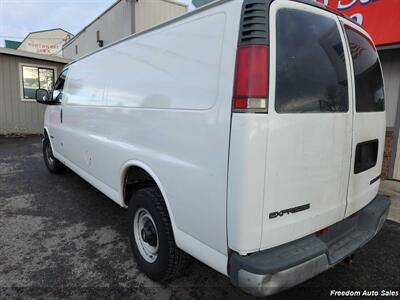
(76, 49)
(34, 78)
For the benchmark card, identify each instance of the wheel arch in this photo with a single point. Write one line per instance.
(47, 135)
(139, 165)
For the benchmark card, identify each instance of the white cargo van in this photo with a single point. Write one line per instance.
(248, 134)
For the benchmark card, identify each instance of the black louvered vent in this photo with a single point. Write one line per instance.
(254, 23)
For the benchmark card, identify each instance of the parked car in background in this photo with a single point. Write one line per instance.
(248, 134)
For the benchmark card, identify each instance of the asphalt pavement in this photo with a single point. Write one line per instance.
(61, 238)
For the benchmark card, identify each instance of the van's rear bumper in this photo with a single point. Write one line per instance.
(270, 271)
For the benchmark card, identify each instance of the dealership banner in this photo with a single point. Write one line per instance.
(381, 18)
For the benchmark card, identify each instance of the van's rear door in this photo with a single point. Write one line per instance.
(369, 118)
(310, 123)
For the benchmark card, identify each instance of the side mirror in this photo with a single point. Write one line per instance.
(43, 97)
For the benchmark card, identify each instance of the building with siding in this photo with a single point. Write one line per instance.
(390, 60)
(47, 42)
(21, 73)
(123, 18)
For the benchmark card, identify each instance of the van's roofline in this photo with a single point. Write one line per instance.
(196, 11)
(322, 6)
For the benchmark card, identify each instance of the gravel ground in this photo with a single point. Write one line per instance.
(391, 188)
(61, 238)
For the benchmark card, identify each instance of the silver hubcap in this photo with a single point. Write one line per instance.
(146, 235)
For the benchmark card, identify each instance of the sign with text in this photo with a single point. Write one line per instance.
(381, 18)
(43, 47)
(47, 42)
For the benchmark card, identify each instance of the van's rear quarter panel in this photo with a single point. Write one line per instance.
(166, 103)
(249, 136)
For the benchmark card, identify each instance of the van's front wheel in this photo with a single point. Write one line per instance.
(151, 236)
(52, 163)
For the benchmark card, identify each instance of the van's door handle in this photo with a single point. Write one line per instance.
(61, 115)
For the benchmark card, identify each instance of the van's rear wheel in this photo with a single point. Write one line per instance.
(151, 236)
(52, 163)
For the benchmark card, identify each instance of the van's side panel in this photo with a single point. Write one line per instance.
(167, 103)
(246, 181)
(84, 84)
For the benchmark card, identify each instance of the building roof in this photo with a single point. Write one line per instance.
(12, 44)
(107, 10)
(51, 29)
(21, 53)
(46, 30)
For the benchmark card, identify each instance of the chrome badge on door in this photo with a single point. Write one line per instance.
(289, 211)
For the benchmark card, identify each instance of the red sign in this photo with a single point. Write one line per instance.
(381, 18)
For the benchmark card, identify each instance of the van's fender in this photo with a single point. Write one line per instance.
(184, 241)
(142, 165)
(47, 131)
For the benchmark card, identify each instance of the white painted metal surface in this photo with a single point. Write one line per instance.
(248, 149)
(280, 161)
(162, 101)
(367, 126)
(308, 160)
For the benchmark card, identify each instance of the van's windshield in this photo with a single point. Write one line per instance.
(368, 74)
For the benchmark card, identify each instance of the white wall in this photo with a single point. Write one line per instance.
(153, 12)
(116, 23)
(113, 25)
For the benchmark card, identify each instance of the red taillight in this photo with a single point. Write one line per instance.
(251, 79)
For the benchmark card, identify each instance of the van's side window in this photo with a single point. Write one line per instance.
(311, 72)
(59, 86)
(368, 74)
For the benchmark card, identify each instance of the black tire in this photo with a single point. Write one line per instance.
(52, 163)
(170, 261)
